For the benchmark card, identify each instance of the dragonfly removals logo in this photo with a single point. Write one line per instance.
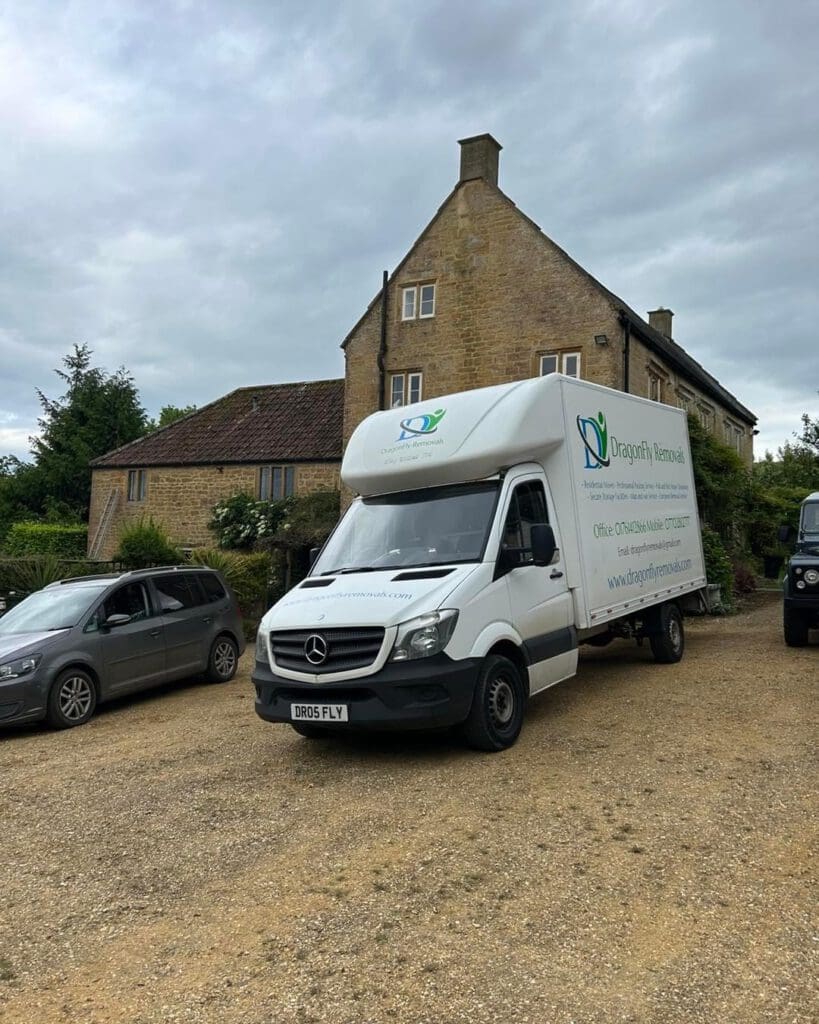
(421, 426)
(595, 436)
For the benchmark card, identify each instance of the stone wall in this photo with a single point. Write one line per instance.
(504, 294)
(181, 499)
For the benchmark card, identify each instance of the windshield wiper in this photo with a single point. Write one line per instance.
(354, 568)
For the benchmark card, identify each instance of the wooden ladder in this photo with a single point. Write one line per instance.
(102, 526)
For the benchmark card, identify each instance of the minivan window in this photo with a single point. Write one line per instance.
(176, 593)
(131, 600)
(212, 585)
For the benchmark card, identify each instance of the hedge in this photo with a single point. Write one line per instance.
(28, 539)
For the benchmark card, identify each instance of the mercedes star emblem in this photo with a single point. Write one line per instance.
(315, 649)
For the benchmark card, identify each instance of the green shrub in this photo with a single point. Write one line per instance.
(718, 568)
(28, 539)
(144, 544)
(240, 521)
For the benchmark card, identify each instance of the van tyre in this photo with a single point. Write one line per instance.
(496, 716)
(668, 639)
(796, 629)
(71, 700)
(223, 660)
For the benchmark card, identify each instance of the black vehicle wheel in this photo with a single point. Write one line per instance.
(496, 716)
(311, 732)
(796, 628)
(72, 699)
(668, 642)
(223, 660)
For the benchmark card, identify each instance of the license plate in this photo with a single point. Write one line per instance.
(318, 713)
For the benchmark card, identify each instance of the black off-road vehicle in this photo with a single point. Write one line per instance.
(801, 585)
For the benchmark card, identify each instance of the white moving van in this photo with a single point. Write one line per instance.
(495, 531)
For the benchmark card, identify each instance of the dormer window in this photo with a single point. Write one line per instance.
(418, 302)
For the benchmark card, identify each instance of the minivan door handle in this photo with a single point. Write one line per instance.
(556, 575)
(154, 633)
(208, 620)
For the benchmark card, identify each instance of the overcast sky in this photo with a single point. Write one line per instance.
(208, 192)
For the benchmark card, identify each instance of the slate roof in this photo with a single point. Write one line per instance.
(264, 424)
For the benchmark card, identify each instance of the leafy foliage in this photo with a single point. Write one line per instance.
(721, 479)
(718, 568)
(240, 521)
(144, 544)
(167, 415)
(27, 538)
(25, 575)
(248, 576)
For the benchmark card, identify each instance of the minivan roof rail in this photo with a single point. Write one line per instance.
(82, 579)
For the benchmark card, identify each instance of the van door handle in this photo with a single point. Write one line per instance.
(556, 575)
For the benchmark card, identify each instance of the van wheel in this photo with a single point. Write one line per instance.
(496, 716)
(796, 629)
(668, 642)
(312, 732)
(223, 660)
(71, 700)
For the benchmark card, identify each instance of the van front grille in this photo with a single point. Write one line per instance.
(301, 650)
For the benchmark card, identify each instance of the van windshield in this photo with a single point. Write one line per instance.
(434, 526)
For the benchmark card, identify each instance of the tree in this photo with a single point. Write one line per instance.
(168, 414)
(97, 413)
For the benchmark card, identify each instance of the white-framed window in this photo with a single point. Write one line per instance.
(733, 435)
(418, 301)
(655, 387)
(405, 389)
(276, 482)
(137, 484)
(706, 415)
(560, 362)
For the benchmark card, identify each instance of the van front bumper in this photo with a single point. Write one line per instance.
(429, 693)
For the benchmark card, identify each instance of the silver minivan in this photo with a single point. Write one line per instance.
(79, 642)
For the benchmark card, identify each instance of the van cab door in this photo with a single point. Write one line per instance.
(539, 598)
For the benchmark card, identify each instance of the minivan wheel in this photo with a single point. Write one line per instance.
(71, 700)
(223, 660)
(668, 642)
(496, 716)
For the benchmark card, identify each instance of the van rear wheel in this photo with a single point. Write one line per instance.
(496, 716)
(668, 638)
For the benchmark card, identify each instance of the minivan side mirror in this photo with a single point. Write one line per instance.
(119, 619)
(543, 544)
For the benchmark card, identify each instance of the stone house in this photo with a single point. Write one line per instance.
(484, 297)
(270, 441)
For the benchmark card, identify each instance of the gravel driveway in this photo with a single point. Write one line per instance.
(646, 852)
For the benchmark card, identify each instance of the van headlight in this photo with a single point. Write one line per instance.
(424, 636)
(21, 667)
(261, 648)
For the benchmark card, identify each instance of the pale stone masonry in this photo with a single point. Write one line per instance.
(507, 295)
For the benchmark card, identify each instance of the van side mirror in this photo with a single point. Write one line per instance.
(543, 544)
(784, 534)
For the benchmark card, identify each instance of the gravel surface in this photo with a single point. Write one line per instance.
(644, 853)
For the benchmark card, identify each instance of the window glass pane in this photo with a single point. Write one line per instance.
(548, 364)
(143, 481)
(571, 364)
(427, 300)
(212, 586)
(264, 483)
(277, 483)
(414, 387)
(408, 307)
(528, 507)
(130, 600)
(397, 398)
(289, 481)
(175, 594)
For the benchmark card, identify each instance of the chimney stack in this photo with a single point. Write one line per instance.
(660, 320)
(479, 158)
